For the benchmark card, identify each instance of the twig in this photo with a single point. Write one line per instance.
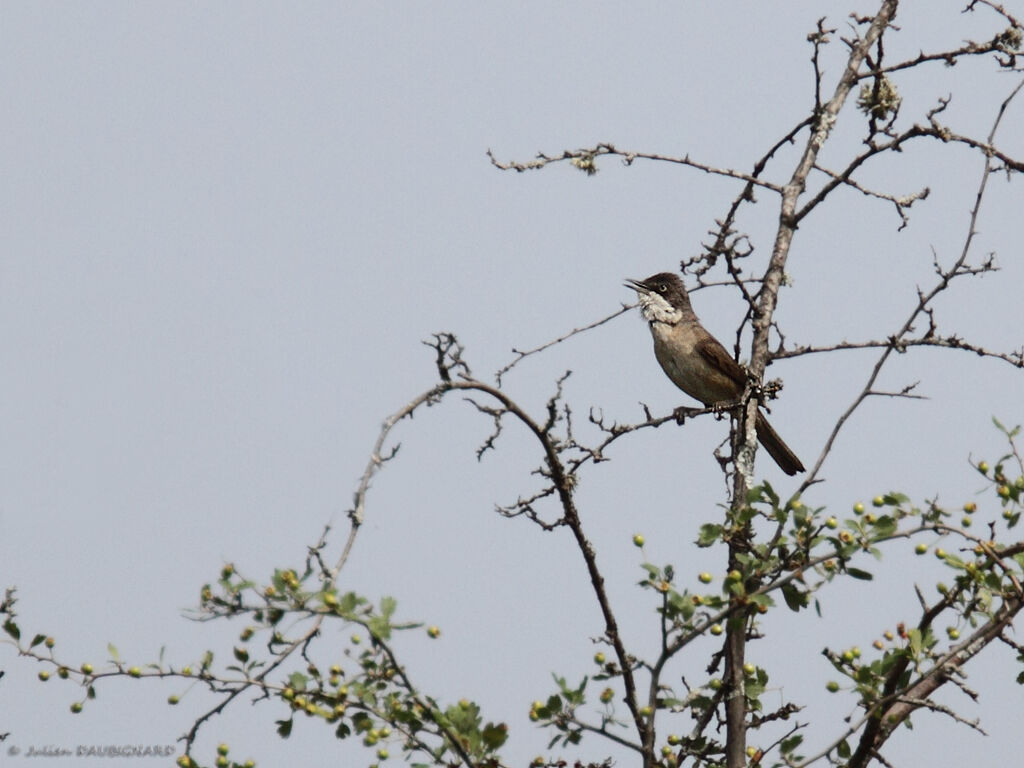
(584, 159)
(520, 354)
(924, 299)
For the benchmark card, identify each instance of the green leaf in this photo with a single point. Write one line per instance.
(914, 636)
(12, 629)
(889, 659)
(387, 606)
(554, 704)
(795, 599)
(494, 736)
(953, 561)
(348, 602)
(284, 728)
(653, 571)
(709, 534)
(1010, 433)
(885, 525)
(379, 626)
(857, 573)
(37, 640)
(788, 745)
(298, 681)
(112, 650)
(843, 749)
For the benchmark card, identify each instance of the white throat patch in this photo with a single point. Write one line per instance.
(656, 309)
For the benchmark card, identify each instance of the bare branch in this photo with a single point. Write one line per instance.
(520, 354)
(1015, 358)
(945, 277)
(584, 159)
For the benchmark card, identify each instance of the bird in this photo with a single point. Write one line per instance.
(695, 361)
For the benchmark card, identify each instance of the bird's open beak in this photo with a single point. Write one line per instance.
(636, 285)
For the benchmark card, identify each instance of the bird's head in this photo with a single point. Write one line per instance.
(662, 297)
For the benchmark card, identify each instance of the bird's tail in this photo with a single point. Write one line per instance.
(778, 450)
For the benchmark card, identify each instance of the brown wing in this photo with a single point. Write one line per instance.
(725, 378)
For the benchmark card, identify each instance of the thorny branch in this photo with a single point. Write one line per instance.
(564, 456)
(882, 139)
(898, 341)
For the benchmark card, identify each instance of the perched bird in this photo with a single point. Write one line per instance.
(694, 359)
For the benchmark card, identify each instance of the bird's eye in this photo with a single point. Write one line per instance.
(662, 287)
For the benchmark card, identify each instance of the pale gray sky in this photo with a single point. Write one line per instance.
(226, 228)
